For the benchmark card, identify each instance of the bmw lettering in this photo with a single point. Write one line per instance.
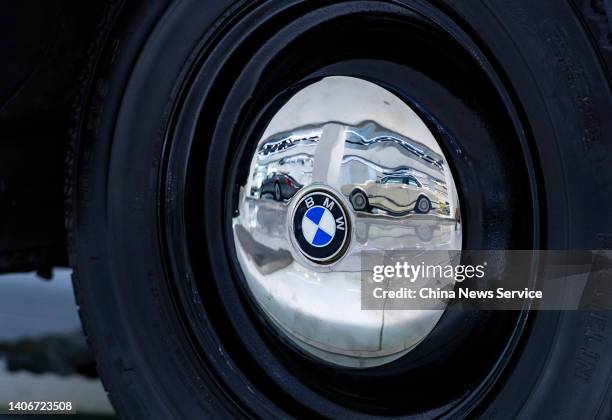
(320, 227)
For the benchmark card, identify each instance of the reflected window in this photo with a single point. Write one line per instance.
(391, 180)
(409, 180)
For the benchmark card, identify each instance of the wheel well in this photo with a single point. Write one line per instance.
(38, 86)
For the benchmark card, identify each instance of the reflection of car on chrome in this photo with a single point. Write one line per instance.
(381, 233)
(444, 208)
(396, 194)
(280, 186)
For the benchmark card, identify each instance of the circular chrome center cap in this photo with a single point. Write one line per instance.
(321, 227)
(345, 168)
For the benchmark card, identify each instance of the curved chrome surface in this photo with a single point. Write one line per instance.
(368, 148)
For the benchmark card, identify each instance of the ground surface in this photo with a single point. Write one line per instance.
(35, 316)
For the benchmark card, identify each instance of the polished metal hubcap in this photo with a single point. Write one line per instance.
(344, 167)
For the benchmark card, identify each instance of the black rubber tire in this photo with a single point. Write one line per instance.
(355, 193)
(564, 364)
(417, 205)
(597, 16)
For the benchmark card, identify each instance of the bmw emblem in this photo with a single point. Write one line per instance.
(321, 227)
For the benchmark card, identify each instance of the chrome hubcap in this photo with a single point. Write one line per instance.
(345, 166)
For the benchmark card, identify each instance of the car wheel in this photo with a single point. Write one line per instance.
(425, 233)
(171, 116)
(423, 205)
(359, 200)
(277, 192)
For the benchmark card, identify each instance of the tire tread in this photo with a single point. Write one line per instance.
(81, 101)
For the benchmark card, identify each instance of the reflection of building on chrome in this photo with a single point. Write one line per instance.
(379, 171)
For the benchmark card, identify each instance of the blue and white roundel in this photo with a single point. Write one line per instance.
(318, 226)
